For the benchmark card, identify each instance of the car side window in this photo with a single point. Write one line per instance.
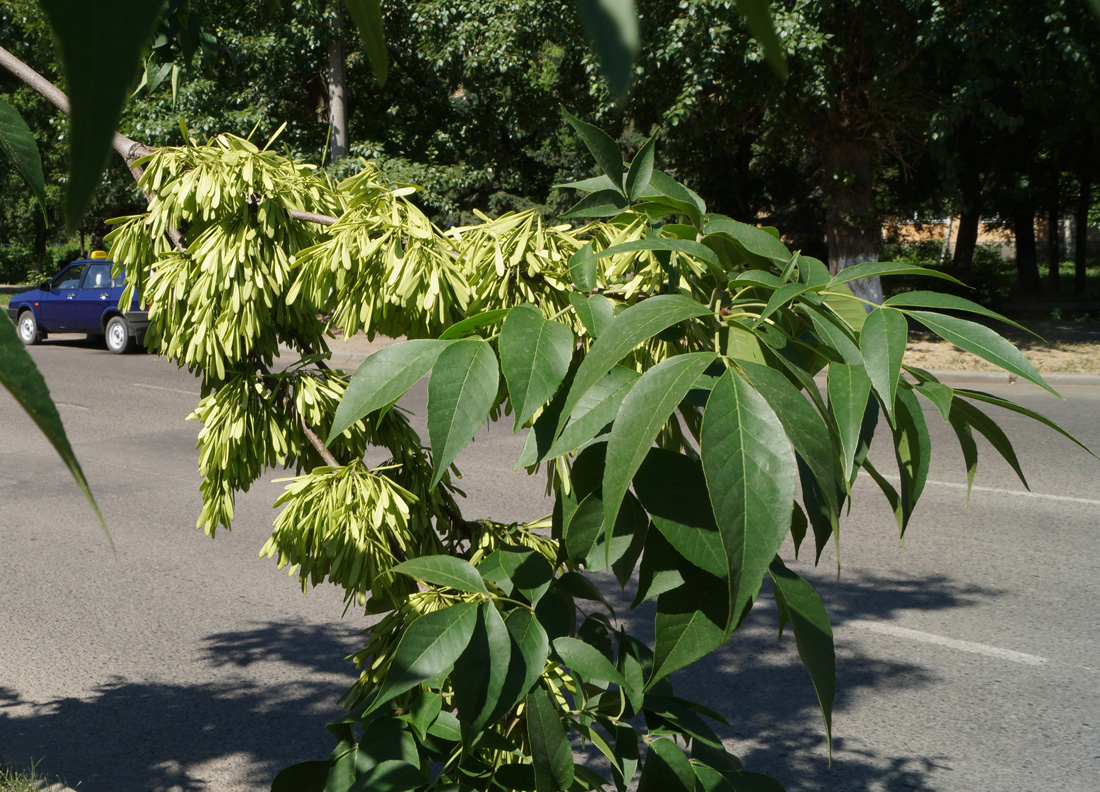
(68, 279)
(98, 276)
(119, 280)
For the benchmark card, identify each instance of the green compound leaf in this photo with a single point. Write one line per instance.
(534, 355)
(460, 394)
(18, 143)
(983, 342)
(550, 751)
(101, 44)
(382, 379)
(430, 646)
(24, 381)
(444, 570)
(882, 343)
(800, 606)
(751, 472)
(368, 18)
(644, 410)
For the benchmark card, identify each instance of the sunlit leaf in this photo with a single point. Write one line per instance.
(18, 143)
(849, 388)
(603, 149)
(882, 343)
(444, 570)
(460, 394)
(641, 169)
(481, 670)
(534, 355)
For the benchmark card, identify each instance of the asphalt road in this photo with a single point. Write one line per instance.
(968, 660)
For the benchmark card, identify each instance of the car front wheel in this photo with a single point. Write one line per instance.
(28, 328)
(119, 339)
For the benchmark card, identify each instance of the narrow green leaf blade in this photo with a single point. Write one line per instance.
(849, 388)
(17, 141)
(947, 302)
(534, 355)
(368, 18)
(983, 342)
(644, 410)
(628, 329)
(467, 326)
(964, 412)
(530, 650)
(687, 247)
(460, 394)
(605, 203)
(813, 634)
(996, 401)
(870, 269)
(481, 671)
(913, 450)
(101, 44)
(383, 378)
(882, 343)
(430, 646)
(587, 661)
(758, 15)
(751, 472)
(444, 570)
(613, 30)
(641, 169)
(603, 149)
(550, 751)
(24, 381)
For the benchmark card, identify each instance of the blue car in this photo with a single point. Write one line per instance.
(82, 298)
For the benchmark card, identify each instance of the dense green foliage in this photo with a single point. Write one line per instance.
(661, 362)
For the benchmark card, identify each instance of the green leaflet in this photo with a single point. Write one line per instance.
(534, 355)
(948, 302)
(983, 342)
(605, 203)
(750, 470)
(968, 447)
(461, 392)
(644, 410)
(849, 388)
(24, 381)
(468, 325)
(870, 269)
(641, 169)
(101, 44)
(1020, 409)
(691, 623)
(481, 671)
(939, 394)
(18, 143)
(518, 570)
(368, 18)
(684, 246)
(613, 30)
(755, 241)
(430, 645)
(444, 570)
(782, 296)
(673, 490)
(587, 661)
(965, 413)
(603, 149)
(550, 751)
(382, 379)
(390, 776)
(678, 197)
(882, 343)
(595, 312)
(595, 411)
(666, 769)
(800, 606)
(913, 449)
(628, 329)
(758, 15)
(530, 647)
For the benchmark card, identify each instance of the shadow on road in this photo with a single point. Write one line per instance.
(130, 735)
(274, 685)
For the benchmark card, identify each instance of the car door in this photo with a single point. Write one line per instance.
(95, 295)
(55, 307)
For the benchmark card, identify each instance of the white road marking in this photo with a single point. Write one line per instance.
(940, 640)
(995, 490)
(160, 388)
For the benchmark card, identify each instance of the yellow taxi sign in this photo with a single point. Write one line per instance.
(99, 254)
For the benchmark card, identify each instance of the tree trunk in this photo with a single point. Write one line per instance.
(1080, 259)
(852, 227)
(337, 83)
(1053, 253)
(945, 249)
(970, 218)
(1027, 261)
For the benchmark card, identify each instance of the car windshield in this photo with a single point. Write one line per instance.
(98, 276)
(69, 279)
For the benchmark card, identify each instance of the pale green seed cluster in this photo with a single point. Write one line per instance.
(383, 267)
(347, 524)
